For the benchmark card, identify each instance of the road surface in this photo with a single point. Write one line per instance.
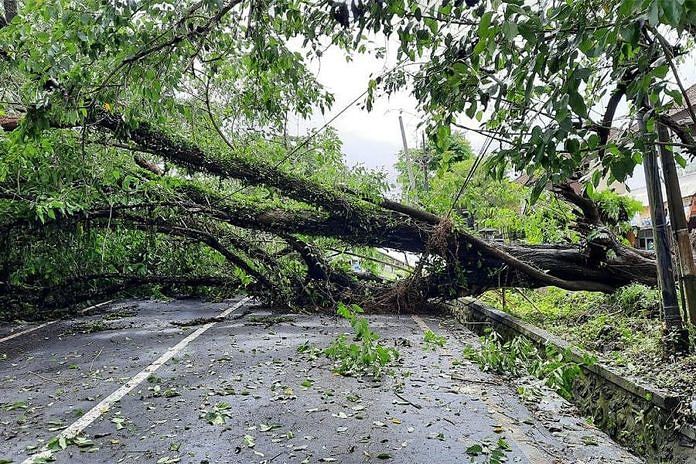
(195, 382)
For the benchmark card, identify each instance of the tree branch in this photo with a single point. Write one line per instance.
(681, 132)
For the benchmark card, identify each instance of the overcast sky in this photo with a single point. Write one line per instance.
(373, 138)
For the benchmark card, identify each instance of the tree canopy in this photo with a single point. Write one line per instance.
(145, 143)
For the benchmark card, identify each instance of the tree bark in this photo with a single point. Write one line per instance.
(674, 330)
(100, 286)
(10, 10)
(472, 265)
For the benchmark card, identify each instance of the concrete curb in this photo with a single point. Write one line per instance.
(470, 311)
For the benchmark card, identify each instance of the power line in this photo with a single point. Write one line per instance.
(326, 124)
(323, 127)
(471, 173)
(334, 118)
(474, 167)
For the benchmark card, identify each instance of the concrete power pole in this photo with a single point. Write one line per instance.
(426, 162)
(687, 267)
(674, 333)
(407, 157)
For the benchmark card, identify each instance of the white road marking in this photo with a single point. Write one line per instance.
(98, 305)
(421, 323)
(97, 411)
(46, 324)
(23, 332)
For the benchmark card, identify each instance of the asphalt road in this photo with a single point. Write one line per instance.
(130, 385)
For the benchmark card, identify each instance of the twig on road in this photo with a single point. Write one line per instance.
(43, 377)
(415, 405)
(95, 358)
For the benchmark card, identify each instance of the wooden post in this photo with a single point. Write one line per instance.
(673, 327)
(10, 10)
(687, 267)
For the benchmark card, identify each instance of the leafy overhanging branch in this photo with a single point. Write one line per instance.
(471, 264)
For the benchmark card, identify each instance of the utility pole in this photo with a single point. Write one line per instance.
(687, 267)
(407, 157)
(426, 163)
(674, 333)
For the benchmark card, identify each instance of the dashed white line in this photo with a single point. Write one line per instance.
(46, 324)
(421, 323)
(97, 411)
(98, 305)
(24, 332)
(520, 438)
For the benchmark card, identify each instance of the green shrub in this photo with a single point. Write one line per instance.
(636, 298)
(431, 340)
(502, 358)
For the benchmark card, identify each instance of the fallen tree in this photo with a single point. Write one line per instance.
(150, 142)
(457, 263)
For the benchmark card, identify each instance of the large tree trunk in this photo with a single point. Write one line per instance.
(458, 263)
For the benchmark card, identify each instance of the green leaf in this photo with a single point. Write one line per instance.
(484, 24)
(510, 30)
(626, 7)
(672, 11)
(502, 444)
(654, 13)
(681, 161)
(249, 441)
(572, 146)
(268, 427)
(577, 104)
(596, 178)
(539, 187)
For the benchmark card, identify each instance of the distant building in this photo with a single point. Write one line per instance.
(642, 235)
(681, 113)
(492, 235)
(642, 222)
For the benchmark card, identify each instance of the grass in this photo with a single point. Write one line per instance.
(623, 330)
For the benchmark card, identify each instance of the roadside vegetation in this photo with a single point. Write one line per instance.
(622, 330)
(519, 357)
